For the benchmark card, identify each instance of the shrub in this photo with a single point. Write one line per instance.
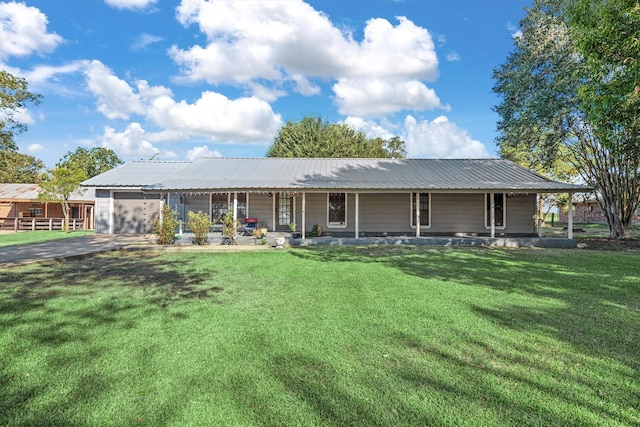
(165, 226)
(199, 224)
(230, 228)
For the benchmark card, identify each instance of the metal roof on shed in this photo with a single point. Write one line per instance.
(29, 192)
(300, 174)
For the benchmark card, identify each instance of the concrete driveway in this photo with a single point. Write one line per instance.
(69, 247)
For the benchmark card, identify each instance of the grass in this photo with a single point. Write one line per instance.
(587, 230)
(27, 237)
(370, 336)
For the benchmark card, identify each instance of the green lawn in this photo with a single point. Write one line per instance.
(25, 237)
(370, 336)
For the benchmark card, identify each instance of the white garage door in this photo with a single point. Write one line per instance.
(135, 212)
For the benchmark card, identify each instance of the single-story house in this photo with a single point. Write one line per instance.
(346, 197)
(20, 209)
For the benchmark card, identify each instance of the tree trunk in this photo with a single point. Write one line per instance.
(615, 179)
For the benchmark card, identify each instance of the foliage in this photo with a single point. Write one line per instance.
(542, 122)
(313, 137)
(199, 224)
(362, 336)
(292, 227)
(14, 98)
(607, 35)
(19, 168)
(230, 228)
(164, 226)
(59, 185)
(93, 161)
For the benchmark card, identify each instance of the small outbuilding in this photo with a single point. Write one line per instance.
(345, 197)
(21, 209)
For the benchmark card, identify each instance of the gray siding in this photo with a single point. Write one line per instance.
(261, 207)
(102, 212)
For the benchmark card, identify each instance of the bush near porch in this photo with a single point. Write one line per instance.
(323, 336)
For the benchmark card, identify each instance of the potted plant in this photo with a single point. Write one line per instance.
(294, 234)
(261, 231)
(316, 231)
(280, 241)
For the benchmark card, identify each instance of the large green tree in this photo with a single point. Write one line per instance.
(14, 97)
(58, 186)
(607, 35)
(313, 137)
(542, 113)
(19, 168)
(93, 161)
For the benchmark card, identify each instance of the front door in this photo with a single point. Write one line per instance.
(283, 211)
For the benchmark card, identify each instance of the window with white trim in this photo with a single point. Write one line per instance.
(425, 215)
(337, 209)
(499, 210)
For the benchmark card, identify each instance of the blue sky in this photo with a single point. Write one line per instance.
(180, 80)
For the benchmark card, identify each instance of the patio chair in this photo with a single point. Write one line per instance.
(250, 225)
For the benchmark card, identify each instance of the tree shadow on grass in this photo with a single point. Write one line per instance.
(55, 313)
(589, 300)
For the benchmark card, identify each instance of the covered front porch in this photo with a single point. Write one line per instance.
(364, 215)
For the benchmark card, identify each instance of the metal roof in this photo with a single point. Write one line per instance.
(300, 174)
(29, 192)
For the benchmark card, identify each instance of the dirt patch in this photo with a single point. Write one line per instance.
(604, 244)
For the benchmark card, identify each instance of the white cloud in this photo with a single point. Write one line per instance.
(129, 4)
(440, 138)
(115, 98)
(453, 56)
(144, 40)
(379, 97)
(217, 117)
(133, 142)
(199, 152)
(370, 128)
(247, 119)
(35, 148)
(515, 31)
(23, 31)
(290, 41)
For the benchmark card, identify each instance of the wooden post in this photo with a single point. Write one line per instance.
(417, 214)
(304, 214)
(50, 224)
(570, 218)
(357, 215)
(33, 224)
(493, 214)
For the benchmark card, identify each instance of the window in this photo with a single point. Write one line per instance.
(425, 217)
(337, 209)
(499, 209)
(219, 207)
(35, 212)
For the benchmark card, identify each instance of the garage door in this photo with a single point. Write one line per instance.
(135, 212)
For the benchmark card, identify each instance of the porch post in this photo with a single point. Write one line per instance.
(235, 208)
(304, 214)
(570, 218)
(417, 214)
(357, 215)
(273, 209)
(493, 215)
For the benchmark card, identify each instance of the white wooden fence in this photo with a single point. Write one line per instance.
(33, 224)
